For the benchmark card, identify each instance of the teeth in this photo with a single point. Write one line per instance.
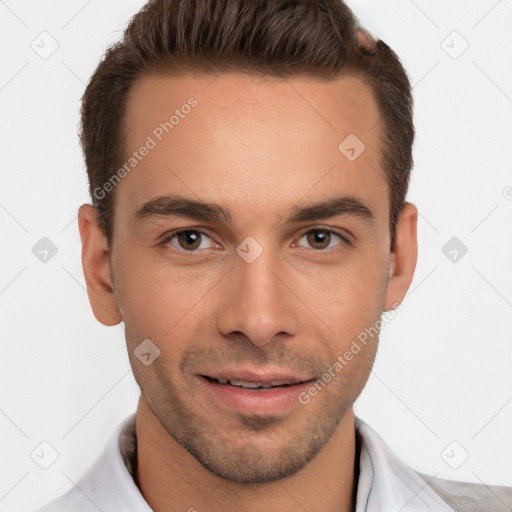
(245, 384)
(254, 385)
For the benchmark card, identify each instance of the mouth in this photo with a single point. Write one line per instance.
(253, 393)
(254, 385)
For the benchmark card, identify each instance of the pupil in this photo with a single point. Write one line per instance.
(319, 237)
(189, 237)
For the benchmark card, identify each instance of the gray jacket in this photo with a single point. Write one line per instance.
(467, 497)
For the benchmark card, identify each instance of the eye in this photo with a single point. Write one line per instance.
(321, 238)
(186, 240)
(195, 240)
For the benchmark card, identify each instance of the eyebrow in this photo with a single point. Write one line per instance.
(203, 211)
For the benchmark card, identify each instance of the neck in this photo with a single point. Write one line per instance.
(172, 480)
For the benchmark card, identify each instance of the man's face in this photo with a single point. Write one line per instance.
(261, 149)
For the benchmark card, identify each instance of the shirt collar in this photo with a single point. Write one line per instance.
(387, 483)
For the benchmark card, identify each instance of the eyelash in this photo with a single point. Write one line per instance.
(169, 236)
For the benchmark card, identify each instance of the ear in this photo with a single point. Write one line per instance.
(96, 267)
(403, 257)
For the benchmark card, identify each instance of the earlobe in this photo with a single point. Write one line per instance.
(403, 258)
(96, 267)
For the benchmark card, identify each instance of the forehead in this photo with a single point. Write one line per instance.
(252, 142)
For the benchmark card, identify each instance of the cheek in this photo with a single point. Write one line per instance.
(155, 298)
(350, 299)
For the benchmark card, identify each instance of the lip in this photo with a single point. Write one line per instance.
(270, 401)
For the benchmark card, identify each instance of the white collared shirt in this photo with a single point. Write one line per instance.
(385, 482)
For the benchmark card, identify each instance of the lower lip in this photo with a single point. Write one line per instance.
(272, 400)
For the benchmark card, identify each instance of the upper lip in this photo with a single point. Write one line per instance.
(262, 376)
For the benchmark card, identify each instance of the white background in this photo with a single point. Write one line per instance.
(443, 369)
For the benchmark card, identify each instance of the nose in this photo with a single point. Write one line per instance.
(258, 301)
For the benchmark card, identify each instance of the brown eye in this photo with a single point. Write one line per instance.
(187, 240)
(318, 239)
(321, 238)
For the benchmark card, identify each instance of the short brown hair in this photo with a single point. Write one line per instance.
(272, 37)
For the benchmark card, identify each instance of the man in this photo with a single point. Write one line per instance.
(248, 165)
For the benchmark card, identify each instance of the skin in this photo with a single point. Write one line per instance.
(258, 146)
